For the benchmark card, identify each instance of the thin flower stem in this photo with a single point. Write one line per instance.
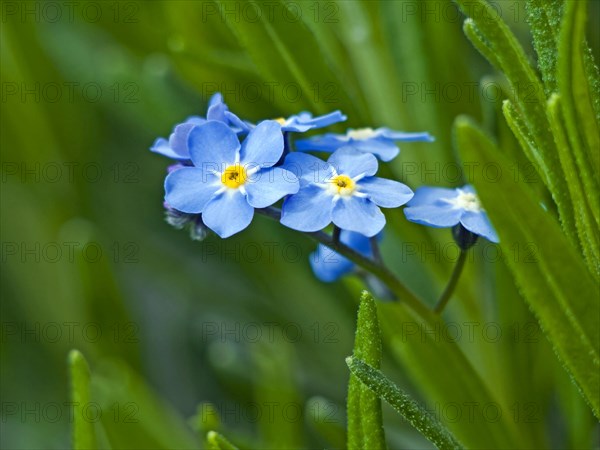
(375, 249)
(447, 294)
(336, 234)
(376, 268)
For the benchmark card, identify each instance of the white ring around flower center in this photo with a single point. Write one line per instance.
(361, 134)
(465, 200)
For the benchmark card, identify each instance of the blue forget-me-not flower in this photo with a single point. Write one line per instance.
(381, 142)
(228, 179)
(177, 145)
(442, 207)
(342, 190)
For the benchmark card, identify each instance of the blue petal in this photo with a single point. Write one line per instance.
(228, 213)
(269, 185)
(237, 124)
(305, 121)
(385, 193)
(357, 241)
(438, 216)
(479, 223)
(426, 195)
(406, 137)
(162, 147)
(326, 143)
(189, 190)
(213, 144)
(358, 214)
(296, 127)
(264, 145)
(216, 108)
(308, 169)
(179, 139)
(384, 149)
(216, 99)
(308, 210)
(351, 162)
(328, 266)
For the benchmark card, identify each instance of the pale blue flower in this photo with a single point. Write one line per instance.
(228, 179)
(342, 190)
(381, 142)
(177, 145)
(441, 207)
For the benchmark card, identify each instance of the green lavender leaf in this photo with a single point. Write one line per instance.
(586, 226)
(84, 434)
(530, 100)
(365, 423)
(554, 279)
(215, 441)
(279, 48)
(544, 20)
(581, 123)
(416, 415)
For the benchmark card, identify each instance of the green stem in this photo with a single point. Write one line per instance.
(336, 234)
(447, 294)
(377, 269)
(375, 249)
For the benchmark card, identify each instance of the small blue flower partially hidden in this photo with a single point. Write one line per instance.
(299, 123)
(229, 180)
(342, 190)
(441, 207)
(177, 145)
(381, 142)
(329, 265)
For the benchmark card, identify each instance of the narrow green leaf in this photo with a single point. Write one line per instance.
(530, 100)
(84, 434)
(581, 123)
(478, 41)
(417, 416)
(521, 132)
(544, 19)
(215, 441)
(586, 227)
(279, 49)
(365, 422)
(445, 376)
(136, 417)
(557, 285)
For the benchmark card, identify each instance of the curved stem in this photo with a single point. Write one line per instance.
(336, 234)
(375, 249)
(368, 264)
(447, 294)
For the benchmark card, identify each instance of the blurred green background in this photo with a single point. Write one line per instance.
(168, 323)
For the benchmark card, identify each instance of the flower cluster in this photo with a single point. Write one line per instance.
(226, 168)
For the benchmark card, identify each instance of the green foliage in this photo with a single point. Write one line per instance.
(365, 423)
(382, 63)
(214, 441)
(84, 434)
(418, 417)
(556, 271)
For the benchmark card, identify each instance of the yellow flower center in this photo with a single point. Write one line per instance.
(343, 185)
(234, 176)
(280, 120)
